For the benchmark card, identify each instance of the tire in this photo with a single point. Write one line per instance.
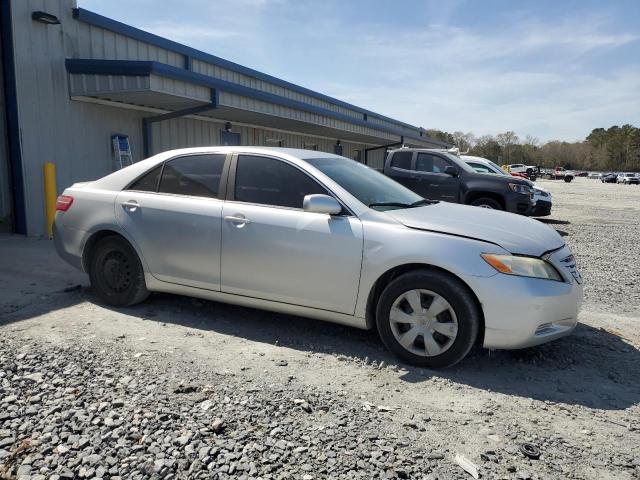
(533, 177)
(116, 274)
(431, 285)
(486, 202)
(568, 179)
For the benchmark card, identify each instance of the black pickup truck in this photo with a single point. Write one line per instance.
(441, 175)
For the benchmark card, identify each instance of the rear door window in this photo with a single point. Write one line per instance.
(429, 163)
(269, 181)
(193, 175)
(402, 160)
(148, 182)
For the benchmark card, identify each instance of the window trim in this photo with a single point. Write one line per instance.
(222, 188)
(422, 172)
(231, 183)
(412, 163)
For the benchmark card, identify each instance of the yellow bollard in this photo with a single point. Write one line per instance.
(50, 195)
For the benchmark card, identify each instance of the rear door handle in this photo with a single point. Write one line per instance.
(239, 221)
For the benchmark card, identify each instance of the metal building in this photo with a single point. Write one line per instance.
(84, 91)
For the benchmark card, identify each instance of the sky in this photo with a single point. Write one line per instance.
(550, 69)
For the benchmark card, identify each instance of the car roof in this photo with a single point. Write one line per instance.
(294, 152)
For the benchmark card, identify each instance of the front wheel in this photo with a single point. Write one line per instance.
(428, 318)
(116, 274)
(486, 203)
(568, 179)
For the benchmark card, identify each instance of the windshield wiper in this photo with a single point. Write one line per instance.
(424, 201)
(419, 203)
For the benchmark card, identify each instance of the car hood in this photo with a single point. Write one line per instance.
(515, 233)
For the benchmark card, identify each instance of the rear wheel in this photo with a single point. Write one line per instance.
(568, 179)
(116, 273)
(428, 318)
(486, 202)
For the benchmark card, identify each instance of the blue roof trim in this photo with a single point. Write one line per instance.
(144, 67)
(92, 18)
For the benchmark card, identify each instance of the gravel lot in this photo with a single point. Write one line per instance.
(183, 388)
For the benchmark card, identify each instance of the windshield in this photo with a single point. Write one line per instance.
(496, 168)
(367, 185)
(459, 162)
(492, 167)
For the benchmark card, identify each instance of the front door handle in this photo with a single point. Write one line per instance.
(239, 221)
(131, 204)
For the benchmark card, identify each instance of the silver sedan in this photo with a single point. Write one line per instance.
(319, 235)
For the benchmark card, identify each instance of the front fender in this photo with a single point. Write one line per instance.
(388, 246)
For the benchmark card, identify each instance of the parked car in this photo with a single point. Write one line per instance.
(521, 168)
(628, 178)
(318, 235)
(542, 200)
(609, 178)
(523, 171)
(559, 173)
(441, 175)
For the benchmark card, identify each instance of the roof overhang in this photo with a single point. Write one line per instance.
(160, 86)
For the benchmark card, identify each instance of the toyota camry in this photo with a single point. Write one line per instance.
(319, 235)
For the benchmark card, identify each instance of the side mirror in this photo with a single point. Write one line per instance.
(321, 204)
(451, 170)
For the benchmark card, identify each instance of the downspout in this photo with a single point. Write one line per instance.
(148, 122)
(367, 150)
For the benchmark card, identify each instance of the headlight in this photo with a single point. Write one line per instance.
(542, 193)
(522, 266)
(518, 188)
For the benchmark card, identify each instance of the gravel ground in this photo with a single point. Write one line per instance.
(183, 388)
(602, 225)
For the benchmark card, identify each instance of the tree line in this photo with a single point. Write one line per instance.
(613, 149)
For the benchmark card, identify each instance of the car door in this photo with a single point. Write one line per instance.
(437, 185)
(174, 215)
(401, 169)
(272, 249)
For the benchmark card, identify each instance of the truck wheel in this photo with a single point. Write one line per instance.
(116, 273)
(485, 202)
(428, 318)
(568, 179)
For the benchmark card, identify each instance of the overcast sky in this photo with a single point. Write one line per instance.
(552, 69)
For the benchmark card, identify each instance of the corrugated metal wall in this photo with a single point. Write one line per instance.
(192, 132)
(76, 135)
(73, 135)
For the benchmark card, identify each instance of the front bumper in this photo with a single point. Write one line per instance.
(518, 203)
(522, 312)
(541, 209)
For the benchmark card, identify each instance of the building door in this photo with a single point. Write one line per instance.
(229, 138)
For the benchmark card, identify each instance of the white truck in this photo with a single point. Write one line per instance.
(559, 173)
